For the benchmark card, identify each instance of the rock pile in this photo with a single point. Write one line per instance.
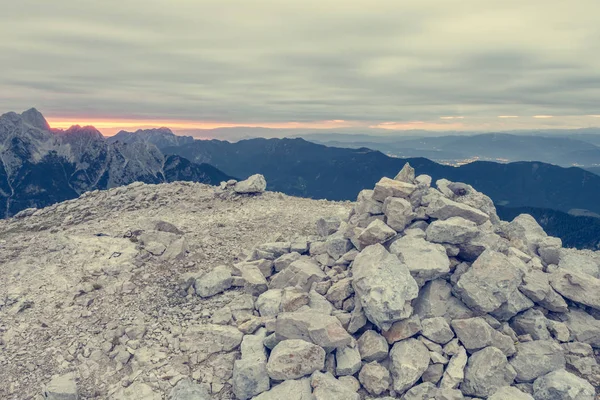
(422, 293)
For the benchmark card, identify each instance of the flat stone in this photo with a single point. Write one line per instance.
(425, 260)
(404, 329)
(255, 282)
(387, 187)
(187, 390)
(328, 225)
(443, 208)
(437, 330)
(62, 387)
(576, 286)
(531, 322)
(289, 390)
(250, 378)
(455, 230)
(320, 329)
(510, 393)
(293, 359)
(216, 281)
(376, 232)
(285, 260)
(537, 358)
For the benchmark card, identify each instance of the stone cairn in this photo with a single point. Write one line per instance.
(423, 293)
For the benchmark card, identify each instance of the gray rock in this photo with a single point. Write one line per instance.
(510, 393)
(584, 261)
(443, 208)
(365, 204)
(455, 371)
(487, 370)
(375, 378)
(476, 333)
(319, 303)
(188, 390)
(216, 281)
(268, 303)
(454, 230)
(579, 287)
(255, 282)
(372, 346)
(62, 387)
(303, 273)
(537, 358)
(285, 260)
(328, 225)
(340, 291)
(409, 360)
(433, 373)
(387, 187)
(515, 303)
(376, 232)
(436, 300)
(250, 378)
(562, 385)
(584, 327)
(337, 246)
(254, 184)
(489, 283)
(425, 261)
(424, 391)
(406, 174)
(536, 286)
(531, 322)
(293, 359)
(326, 387)
(437, 330)
(423, 181)
(404, 329)
(398, 212)
(384, 286)
(252, 347)
(289, 390)
(347, 361)
(525, 233)
(321, 329)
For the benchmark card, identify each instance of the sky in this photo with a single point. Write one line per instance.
(306, 64)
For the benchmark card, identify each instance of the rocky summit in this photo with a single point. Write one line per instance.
(184, 291)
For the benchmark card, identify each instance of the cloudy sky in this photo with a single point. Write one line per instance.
(395, 64)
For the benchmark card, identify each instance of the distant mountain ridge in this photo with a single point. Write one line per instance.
(160, 137)
(40, 166)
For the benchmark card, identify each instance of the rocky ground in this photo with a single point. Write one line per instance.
(98, 286)
(187, 292)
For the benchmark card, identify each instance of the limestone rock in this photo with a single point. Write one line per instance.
(289, 390)
(398, 212)
(454, 230)
(409, 360)
(510, 393)
(490, 282)
(320, 329)
(303, 272)
(562, 385)
(437, 330)
(187, 390)
(526, 233)
(347, 361)
(406, 174)
(372, 346)
(443, 208)
(216, 281)
(583, 327)
(436, 300)
(579, 287)
(384, 286)
(537, 358)
(455, 371)
(326, 387)
(375, 378)
(250, 378)
(531, 322)
(387, 187)
(255, 282)
(254, 184)
(487, 370)
(62, 387)
(376, 232)
(425, 261)
(285, 260)
(327, 226)
(404, 329)
(293, 359)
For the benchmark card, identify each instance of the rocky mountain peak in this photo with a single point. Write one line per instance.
(35, 119)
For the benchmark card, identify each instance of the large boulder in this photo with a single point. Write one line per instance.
(487, 371)
(425, 261)
(562, 385)
(409, 360)
(293, 359)
(577, 286)
(537, 358)
(490, 282)
(254, 184)
(384, 286)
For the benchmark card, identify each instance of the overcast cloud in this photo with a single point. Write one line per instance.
(267, 62)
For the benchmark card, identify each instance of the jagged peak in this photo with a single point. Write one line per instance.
(35, 118)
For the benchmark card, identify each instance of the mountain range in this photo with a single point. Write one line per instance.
(40, 166)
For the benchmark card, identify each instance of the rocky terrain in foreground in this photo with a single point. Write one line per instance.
(188, 292)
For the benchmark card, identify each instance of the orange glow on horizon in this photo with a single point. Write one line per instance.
(115, 124)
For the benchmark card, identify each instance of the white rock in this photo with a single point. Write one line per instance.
(62, 387)
(387, 187)
(443, 208)
(254, 184)
(454, 230)
(425, 261)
